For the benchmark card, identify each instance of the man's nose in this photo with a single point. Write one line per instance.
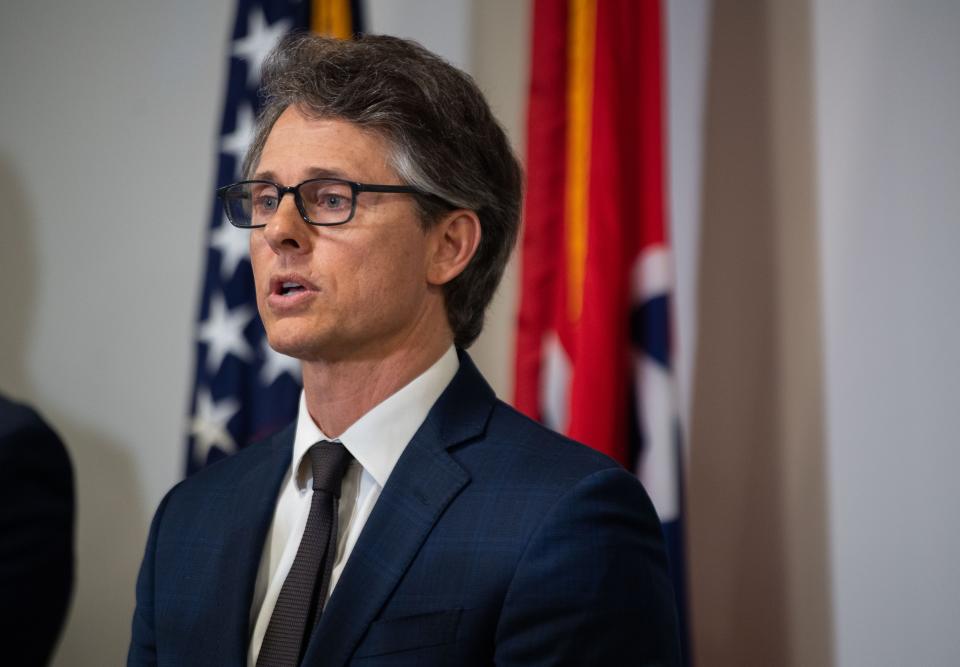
(287, 232)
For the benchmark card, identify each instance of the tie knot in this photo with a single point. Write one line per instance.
(329, 461)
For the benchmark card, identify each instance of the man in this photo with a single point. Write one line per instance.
(36, 535)
(408, 516)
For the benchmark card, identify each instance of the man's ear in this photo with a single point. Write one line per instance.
(454, 240)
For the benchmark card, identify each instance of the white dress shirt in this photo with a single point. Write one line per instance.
(376, 441)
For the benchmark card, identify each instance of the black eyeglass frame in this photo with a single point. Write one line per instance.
(355, 189)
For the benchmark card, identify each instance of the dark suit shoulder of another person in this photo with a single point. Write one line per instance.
(36, 534)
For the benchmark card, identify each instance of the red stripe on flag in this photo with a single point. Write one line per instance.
(542, 245)
(626, 195)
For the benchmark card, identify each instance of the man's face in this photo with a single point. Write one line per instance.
(364, 287)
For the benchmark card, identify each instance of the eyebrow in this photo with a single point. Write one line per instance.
(312, 172)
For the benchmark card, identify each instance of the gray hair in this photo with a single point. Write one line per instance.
(443, 138)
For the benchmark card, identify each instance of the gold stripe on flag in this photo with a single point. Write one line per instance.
(331, 18)
(581, 37)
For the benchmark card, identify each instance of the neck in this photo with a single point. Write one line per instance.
(339, 392)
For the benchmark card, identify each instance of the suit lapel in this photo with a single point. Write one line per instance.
(423, 483)
(256, 497)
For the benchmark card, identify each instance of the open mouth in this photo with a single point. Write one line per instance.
(290, 288)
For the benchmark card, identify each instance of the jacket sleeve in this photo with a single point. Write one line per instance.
(36, 535)
(592, 586)
(143, 642)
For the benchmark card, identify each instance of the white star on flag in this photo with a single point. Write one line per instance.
(261, 38)
(276, 364)
(222, 331)
(209, 425)
(230, 359)
(234, 247)
(237, 142)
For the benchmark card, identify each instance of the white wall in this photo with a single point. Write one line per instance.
(108, 117)
(107, 122)
(888, 138)
(444, 26)
(686, 31)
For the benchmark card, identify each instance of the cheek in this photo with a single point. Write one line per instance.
(396, 269)
(260, 255)
(259, 251)
(377, 287)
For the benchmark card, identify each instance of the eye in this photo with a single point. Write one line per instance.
(263, 198)
(332, 201)
(266, 202)
(329, 197)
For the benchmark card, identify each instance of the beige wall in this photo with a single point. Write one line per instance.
(757, 518)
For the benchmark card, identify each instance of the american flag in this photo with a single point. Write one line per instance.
(243, 390)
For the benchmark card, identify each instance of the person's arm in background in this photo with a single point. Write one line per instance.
(36, 535)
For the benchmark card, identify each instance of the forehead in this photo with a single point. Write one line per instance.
(300, 146)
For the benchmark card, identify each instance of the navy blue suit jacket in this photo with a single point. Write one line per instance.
(36, 536)
(494, 540)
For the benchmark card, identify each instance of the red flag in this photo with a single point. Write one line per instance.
(595, 205)
(594, 337)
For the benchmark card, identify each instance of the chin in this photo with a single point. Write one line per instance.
(305, 343)
(291, 343)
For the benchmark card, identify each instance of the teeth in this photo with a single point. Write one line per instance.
(289, 286)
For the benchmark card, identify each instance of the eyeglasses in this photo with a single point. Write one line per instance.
(321, 201)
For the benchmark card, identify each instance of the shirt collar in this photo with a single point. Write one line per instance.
(378, 438)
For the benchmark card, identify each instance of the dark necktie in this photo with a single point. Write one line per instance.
(305, 588)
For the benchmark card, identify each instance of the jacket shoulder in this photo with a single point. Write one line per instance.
(29, 440)
(517, 456)
(234, 471)
(229, 469)
(514, 434)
